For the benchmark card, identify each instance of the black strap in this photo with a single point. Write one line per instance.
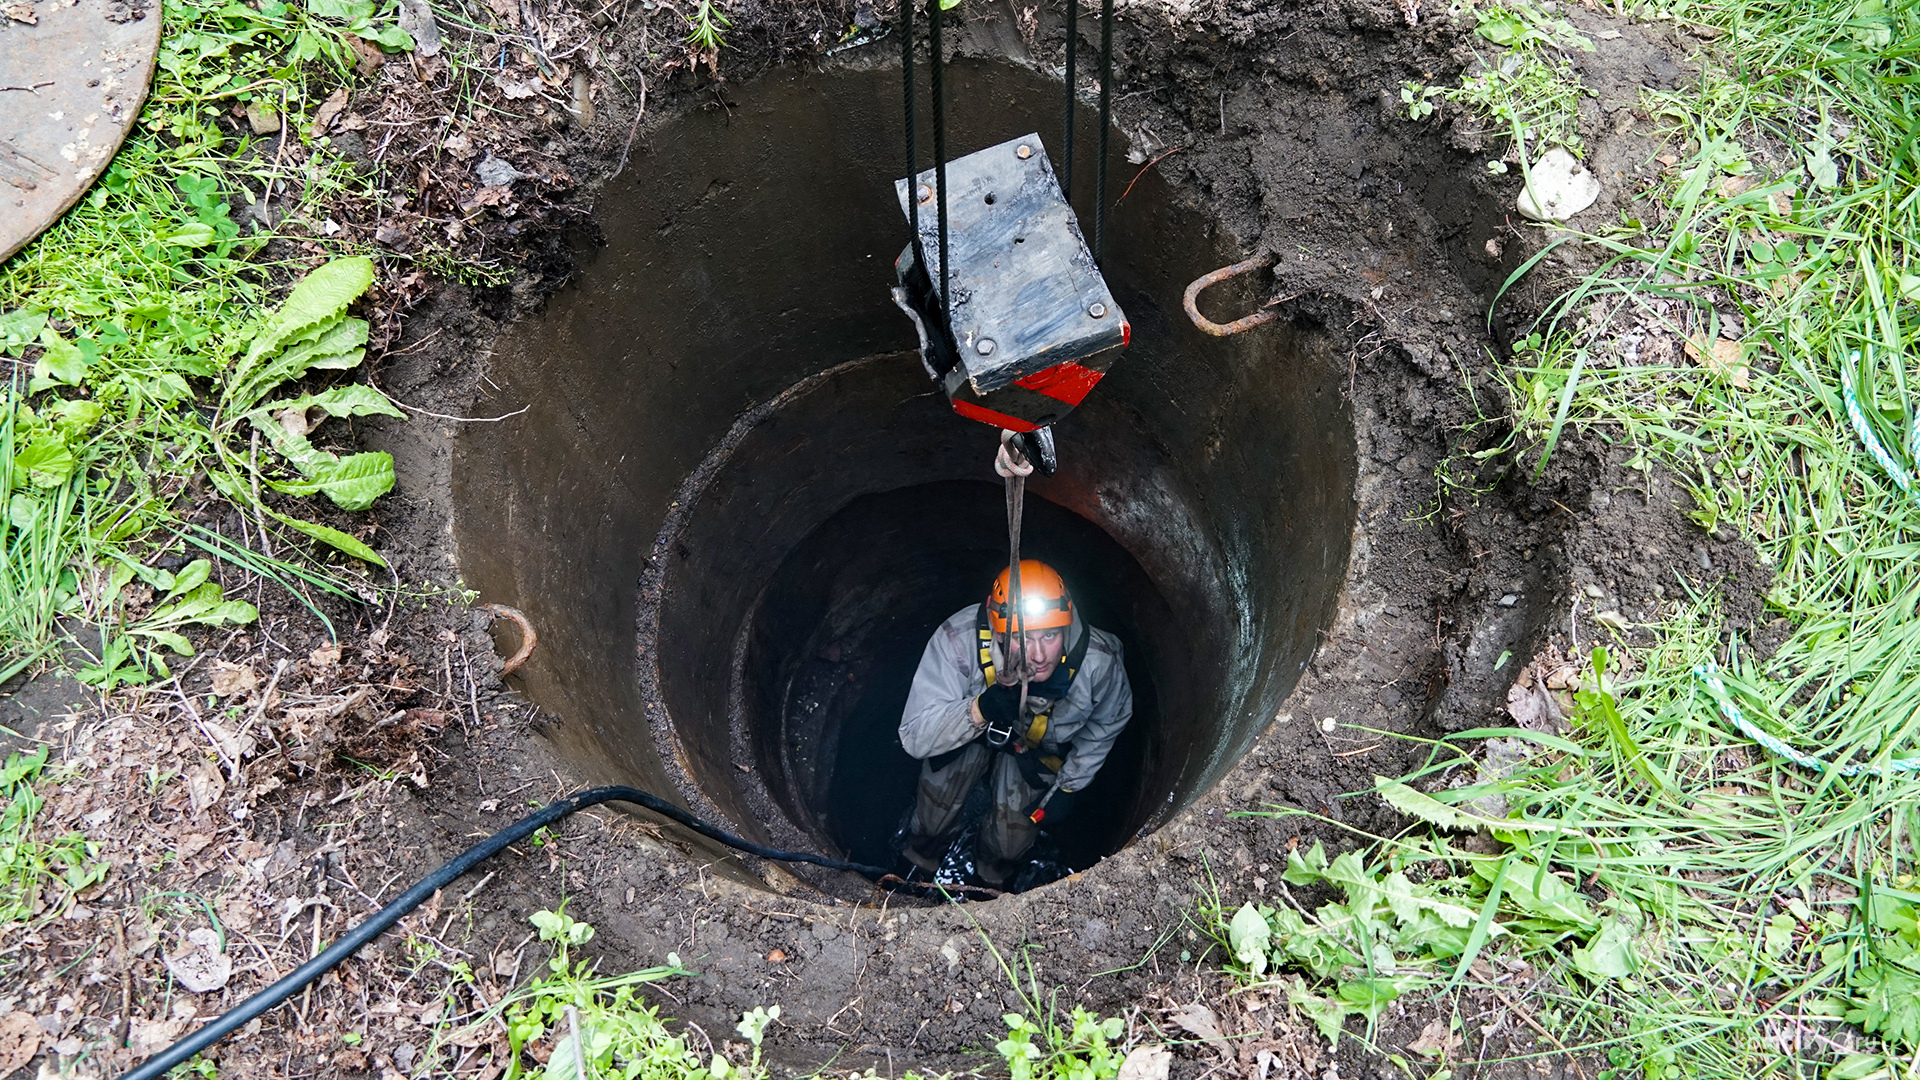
(937, 80)
(913, 150)
(1106, 121)
(1073, 43)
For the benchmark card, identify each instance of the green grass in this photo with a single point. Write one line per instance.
(126, 319)
(31, 863)
(1766, 908)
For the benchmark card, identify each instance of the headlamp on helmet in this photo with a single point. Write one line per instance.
(1044, 602)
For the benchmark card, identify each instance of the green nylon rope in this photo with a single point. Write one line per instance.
(1709, 675)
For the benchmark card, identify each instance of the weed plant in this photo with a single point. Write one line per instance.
(30, 863)
(132, 325)
(1762, 905)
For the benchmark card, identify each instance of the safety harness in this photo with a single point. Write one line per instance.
(1071, 664)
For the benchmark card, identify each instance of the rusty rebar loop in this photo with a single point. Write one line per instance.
(1191, 301)
(528, 639)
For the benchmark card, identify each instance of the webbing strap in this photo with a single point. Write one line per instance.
(1076, 656)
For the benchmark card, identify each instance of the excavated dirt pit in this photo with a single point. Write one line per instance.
(735, 507)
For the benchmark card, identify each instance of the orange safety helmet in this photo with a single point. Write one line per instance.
(1044, 602)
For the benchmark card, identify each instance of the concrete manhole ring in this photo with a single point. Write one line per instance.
(71, 85)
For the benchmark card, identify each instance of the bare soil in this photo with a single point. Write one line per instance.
(281, 809)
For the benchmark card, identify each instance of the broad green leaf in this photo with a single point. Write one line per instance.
(46, 462)
(1250, 936)
(20, 766)
(20, 327)
(354, 399)
(1408, 900)
(75, 416)
(190, 577)
(343, 11)
(62, 362)
(1308, 868)
(560, 1065)
(353, 482)
(330, 345)
(1889, 1003)
(1544, 894)
(390, 38)
(167, 386)
(191, 236)
(1821, 167)
(319, 297)
(335, 346)
(180, 645)
(206, 605)
(1425, 807)
(1609, 955)
(334, 538)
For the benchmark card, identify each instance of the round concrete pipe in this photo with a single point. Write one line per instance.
(728, 454)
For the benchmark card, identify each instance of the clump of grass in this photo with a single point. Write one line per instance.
(1776, 260)
(30, 863)
(122, 319)
(707, 27)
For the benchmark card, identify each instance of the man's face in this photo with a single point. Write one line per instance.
(1044, 648)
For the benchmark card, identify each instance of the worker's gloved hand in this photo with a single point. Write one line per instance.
(1055, 811)
(1000, 707)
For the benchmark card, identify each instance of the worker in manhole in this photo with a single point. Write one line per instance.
(964, 720)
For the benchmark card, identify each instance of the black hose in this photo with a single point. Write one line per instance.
(374, 926)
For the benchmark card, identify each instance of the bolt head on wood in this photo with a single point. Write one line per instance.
(1098, 311)
(985, 347)
(1024, 152)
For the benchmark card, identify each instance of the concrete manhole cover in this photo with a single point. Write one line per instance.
(72, 79)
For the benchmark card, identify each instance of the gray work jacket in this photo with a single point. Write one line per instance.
(939, 712)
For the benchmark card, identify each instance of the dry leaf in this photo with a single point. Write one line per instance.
(203, 967)
(1782, 203)
(230, 679)
(325, 656)
(369, 55)
(1147, 1063)
(1733, 185)
(21, 13)
(204, 786)
(335, 104)
(191, 844)
(516, 89)
(1198, 1020)
(1437, 1039)
(1722, 358)
(235, 746)
(19, 1040)
(148, 1037)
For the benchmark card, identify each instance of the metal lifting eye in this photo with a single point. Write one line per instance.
(989, 198)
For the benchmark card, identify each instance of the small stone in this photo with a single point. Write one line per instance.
(1596, 591)
(1557, 187)
(1509, 600)
(1613, 619)
(263, 118)
(1329, 724)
